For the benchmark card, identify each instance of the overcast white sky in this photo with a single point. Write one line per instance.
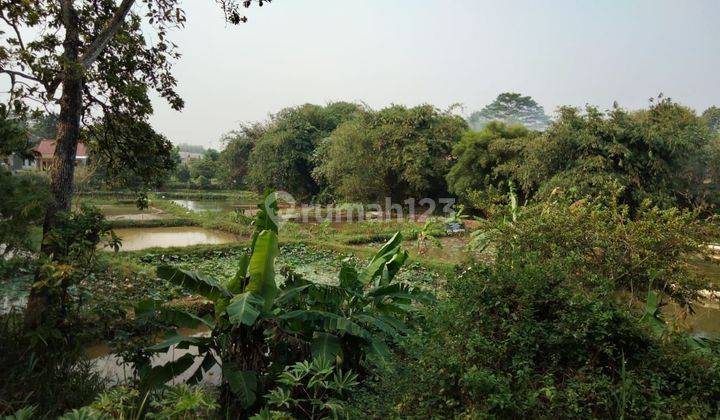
(441, 52)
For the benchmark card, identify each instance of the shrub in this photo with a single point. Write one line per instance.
(527, 342)
(606, 248)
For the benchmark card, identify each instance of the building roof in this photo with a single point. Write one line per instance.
(189, 155)
(46, 149)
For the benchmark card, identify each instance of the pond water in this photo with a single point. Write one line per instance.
(704, 322)
(134, 239)
(215, 205)
(114, 369)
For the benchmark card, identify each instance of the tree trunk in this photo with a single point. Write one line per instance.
(62, 168)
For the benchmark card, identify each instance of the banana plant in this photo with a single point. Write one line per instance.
(259, 326)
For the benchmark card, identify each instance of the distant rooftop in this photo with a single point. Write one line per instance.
(46, 149)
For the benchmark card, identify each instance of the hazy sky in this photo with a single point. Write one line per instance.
(441, 52)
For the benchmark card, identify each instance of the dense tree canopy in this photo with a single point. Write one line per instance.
(487, 159)
(396, 152)
(664, 153)
(283, 156)
(234, 159)
(712, 118)
(511, 108)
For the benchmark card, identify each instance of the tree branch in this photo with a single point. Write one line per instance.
(106, 35)
(15, 28)
(14, 73)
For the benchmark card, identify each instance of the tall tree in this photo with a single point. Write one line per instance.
(283, 157)
(712, 118)
(511, 108)
(97, 55)
(396, 152)
(234, 158)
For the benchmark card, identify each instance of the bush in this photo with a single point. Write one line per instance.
(526, 342)
(52, 377)
(606, 248)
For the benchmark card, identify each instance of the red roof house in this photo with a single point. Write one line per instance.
(45, 151)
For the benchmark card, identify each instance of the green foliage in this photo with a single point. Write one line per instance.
(487, 159)
(511, 108)
(656, 153)
(76, 235)
(526, 342)
(126, 153)
(396, 152)
(310, 390)
(282, 157)
(608, 249)
(44, 370)
(234, 159)
(711, 116)
(260, 326)
(665, 153)
(12, 132)
(24, 198)
(181, 402)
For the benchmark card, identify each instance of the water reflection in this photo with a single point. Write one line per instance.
(134, 239)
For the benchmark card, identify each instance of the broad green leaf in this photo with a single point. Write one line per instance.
(394, 265)
(289, 295)
(159, 375)
(148, 310)
(378, 352)
(400, 291)
(207, 363)
(325, 345)
(377, 323)
(262, 268)
(243, 309)
(183, 319)
(243, 384)
(235, 284)
(176, 340)
(204, 286)
(349, 278)
(329, 322)
(381, 258)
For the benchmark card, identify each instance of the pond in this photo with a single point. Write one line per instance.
(215, 205)
(134, 239)
(113, 368)
(704, 322)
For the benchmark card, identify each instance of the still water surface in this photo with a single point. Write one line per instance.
(134, 239)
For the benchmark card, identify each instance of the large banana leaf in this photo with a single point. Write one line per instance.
(235, 285)
(180, 341)
(378, 353)
(262, 268)
(328, 321)
(148, 310)
(381, 258)
(378, 323)
(243, 309)
(159, 375)
(204, 286)
(400, 291)
(244, 384)
(207, 363)
(325, 345)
